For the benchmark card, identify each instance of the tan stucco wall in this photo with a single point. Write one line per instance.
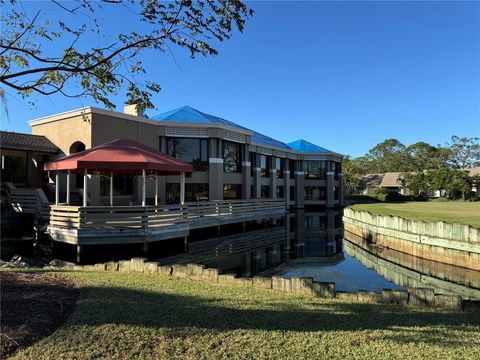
(107, 128)
(63, 133)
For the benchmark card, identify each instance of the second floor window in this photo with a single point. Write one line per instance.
(193, 151)
(232, 157)
(279, 167)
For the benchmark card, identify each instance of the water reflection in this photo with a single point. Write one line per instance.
(312, 244)
(410, 271)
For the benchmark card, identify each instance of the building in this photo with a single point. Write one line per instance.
(242, 181)
(230, 161)
(23, 156)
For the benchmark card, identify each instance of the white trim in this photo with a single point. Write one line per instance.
(246, 163)
(299, 172)
(215, 160)
(330, 173)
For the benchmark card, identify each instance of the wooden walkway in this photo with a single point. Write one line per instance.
(137, 224)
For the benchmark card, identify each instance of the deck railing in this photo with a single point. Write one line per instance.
(140, 217)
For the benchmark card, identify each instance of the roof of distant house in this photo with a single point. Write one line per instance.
(19, 141)
(189, 114)
(372, 180)
(474, 171)
(391, 179)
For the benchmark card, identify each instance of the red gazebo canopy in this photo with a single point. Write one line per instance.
(120, 156)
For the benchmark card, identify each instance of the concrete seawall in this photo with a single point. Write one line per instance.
(453, 244)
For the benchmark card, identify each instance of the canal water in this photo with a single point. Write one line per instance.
(350, 262)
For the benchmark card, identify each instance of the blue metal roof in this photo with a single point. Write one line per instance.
(305, 146)
(189, 114)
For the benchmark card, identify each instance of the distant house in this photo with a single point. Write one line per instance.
(475, 172)
(369, 183)
(390, 180)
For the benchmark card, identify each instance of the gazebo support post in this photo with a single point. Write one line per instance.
(57, 190)
(85, 188)
(68, 187)
(182, 187)
(111, 188)
(156, 189)
(144, 185)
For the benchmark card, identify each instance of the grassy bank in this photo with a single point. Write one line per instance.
(128, 315)
(462, 212)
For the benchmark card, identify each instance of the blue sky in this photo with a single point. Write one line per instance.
(343, 75)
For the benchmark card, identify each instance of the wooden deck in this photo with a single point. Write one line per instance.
(137, 224)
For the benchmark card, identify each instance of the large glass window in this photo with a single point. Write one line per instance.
(263, 162)
(232, 191)
(122, 185)
(14, 168)
(280, 192)
(193, 151)
(253, 163)
(292, 193)
(279, 167)
(291, 168)
(314, 193)
(193, 192)
(314, 169)
(232, 157)
(265, 191)
(338, 169)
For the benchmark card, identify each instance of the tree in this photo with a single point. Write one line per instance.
(423, 156)
(388, 156)
(48, 55)
(465, 152)
(415, 182)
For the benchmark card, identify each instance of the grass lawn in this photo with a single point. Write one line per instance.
(464, 212)
(140, 316)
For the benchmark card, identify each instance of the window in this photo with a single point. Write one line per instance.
(193, 192)
(14, 168)
(122, 185)
(338, 169)
(335, 194)
(292, 193)
(232, 191)
(291, 168)
(265, 191)
(280, 192)
(279, 167)
(314, 170)
(253, 163)
(193, 151)
(172, 194)
(196, 192)
(314, 193)
(315, 223)
(232, 157)
(263, 162)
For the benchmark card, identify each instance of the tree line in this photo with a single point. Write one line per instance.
(425, 168)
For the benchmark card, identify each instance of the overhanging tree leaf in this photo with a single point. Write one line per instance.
(45, 54)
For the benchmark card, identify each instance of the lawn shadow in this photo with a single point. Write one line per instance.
(102, 305)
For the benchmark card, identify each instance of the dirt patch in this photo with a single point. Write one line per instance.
(33, 305)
